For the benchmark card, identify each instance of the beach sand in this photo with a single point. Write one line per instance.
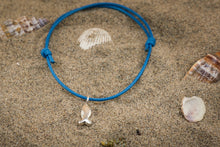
(36, 111)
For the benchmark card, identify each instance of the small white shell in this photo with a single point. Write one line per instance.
(193, 108)
(92, 37)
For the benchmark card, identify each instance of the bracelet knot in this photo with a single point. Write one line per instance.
(47, 53)
(151, 41)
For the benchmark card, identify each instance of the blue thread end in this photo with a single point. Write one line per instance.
(47, 53)
(151, 41)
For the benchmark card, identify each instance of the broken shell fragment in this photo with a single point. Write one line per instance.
(193, 108)
(92, 37)
(207, 69)
(20, 26)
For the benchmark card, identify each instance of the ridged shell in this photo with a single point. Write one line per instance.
(92, 37)
(207, 69)
(20, 26)
(193, 108)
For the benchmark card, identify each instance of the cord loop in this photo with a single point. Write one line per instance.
(47, 53)
(151, 41)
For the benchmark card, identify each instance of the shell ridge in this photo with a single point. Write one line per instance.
(92, 37)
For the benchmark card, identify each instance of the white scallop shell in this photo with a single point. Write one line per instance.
(92, 37)
(193, 108)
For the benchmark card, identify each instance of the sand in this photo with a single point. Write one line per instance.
(36, 111)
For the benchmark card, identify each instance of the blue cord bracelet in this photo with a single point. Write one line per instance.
(46, 53)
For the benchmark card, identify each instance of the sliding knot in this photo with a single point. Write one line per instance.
(47, 53)
(151, 41)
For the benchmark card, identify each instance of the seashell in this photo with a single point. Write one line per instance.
(207, 69)
(20, 26)
(85, 114)
(193, 108)
(92, 37)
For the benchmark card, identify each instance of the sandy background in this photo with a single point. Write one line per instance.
(36, 111)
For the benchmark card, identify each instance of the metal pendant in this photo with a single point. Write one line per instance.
(85, 114)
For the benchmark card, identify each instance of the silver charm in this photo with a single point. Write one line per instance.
(85, 114)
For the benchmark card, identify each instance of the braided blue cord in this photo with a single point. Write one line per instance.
(46, 53)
